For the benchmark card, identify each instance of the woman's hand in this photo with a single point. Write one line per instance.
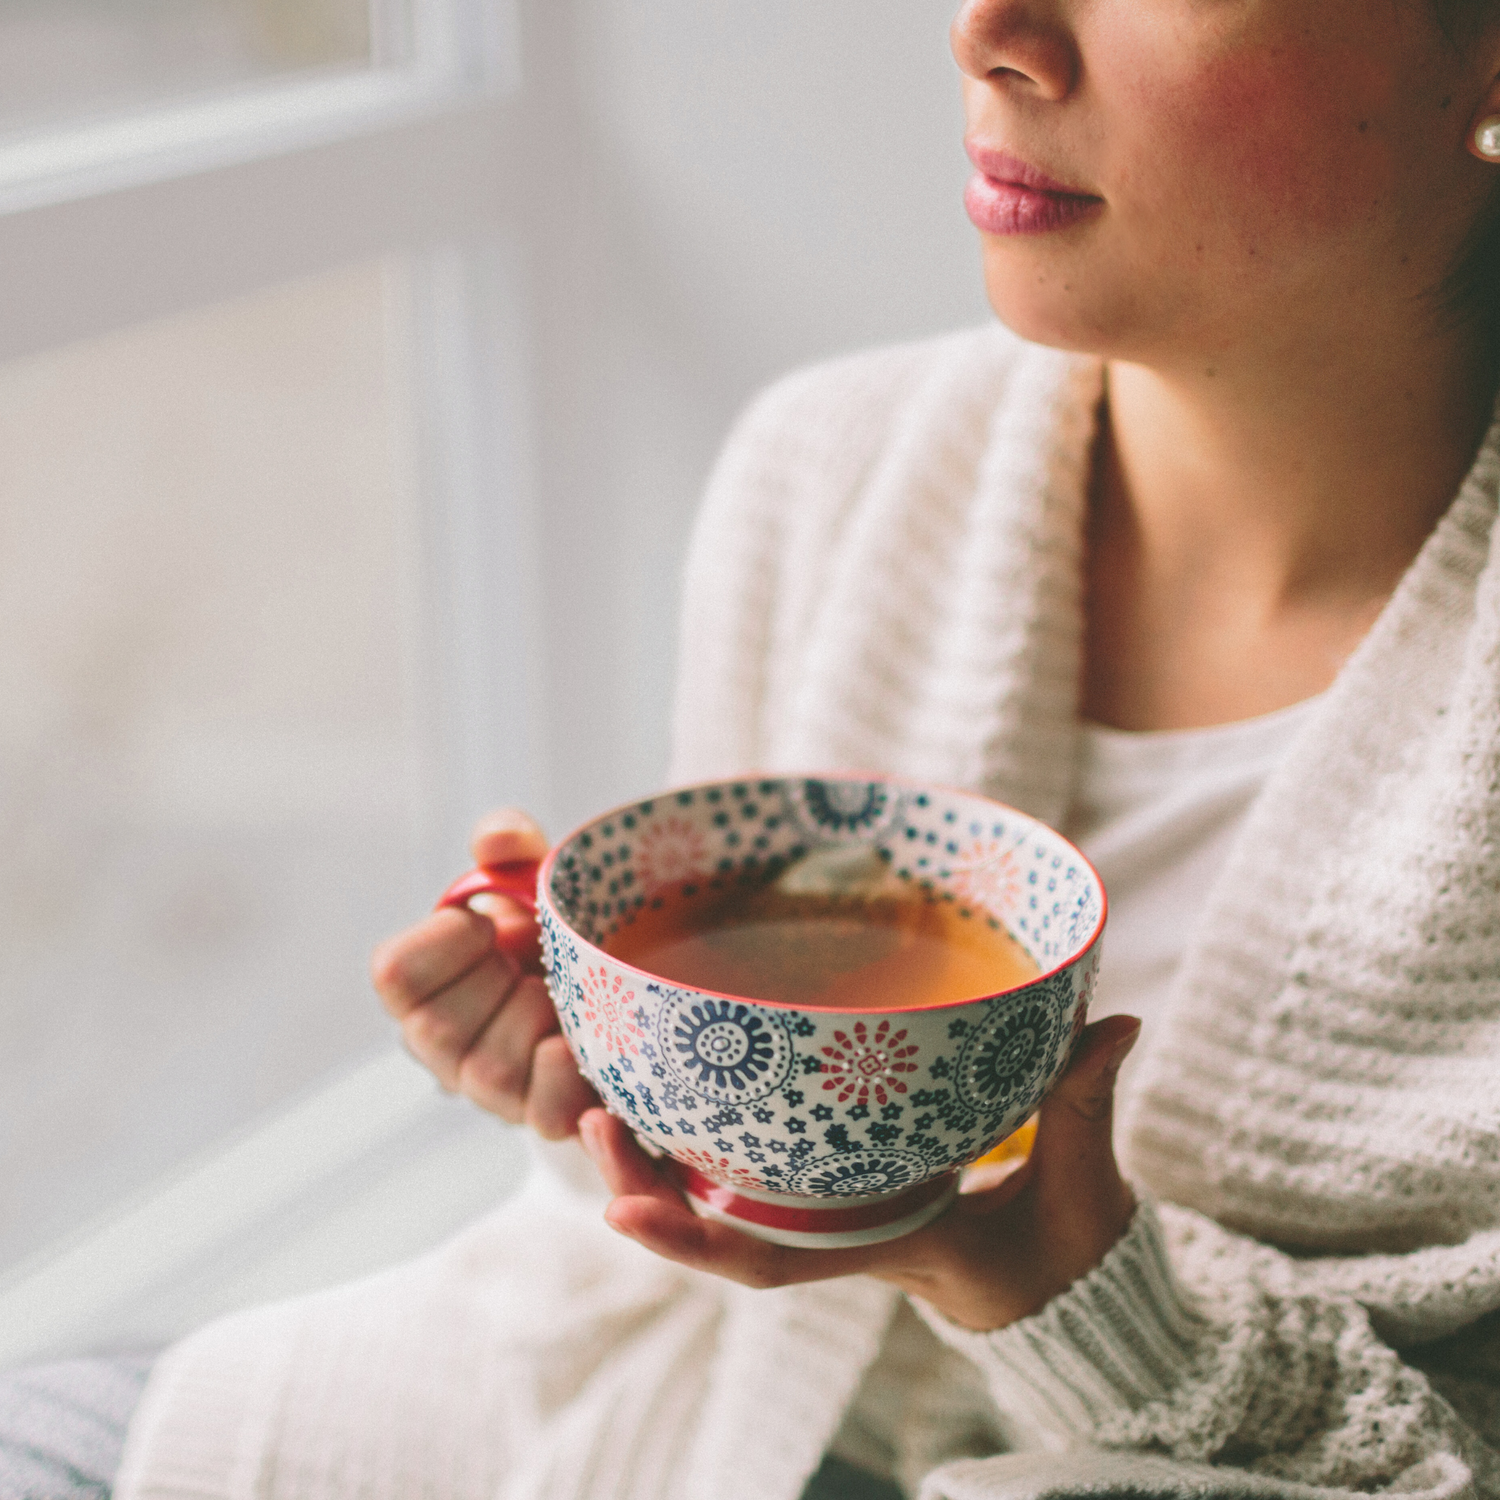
(997, 1255)
(468, 991)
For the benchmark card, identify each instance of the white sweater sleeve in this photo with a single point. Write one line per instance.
(1206, 1350)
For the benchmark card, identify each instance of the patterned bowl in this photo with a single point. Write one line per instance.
(809, 1126)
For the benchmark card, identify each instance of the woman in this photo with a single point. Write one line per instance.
(1185, 573)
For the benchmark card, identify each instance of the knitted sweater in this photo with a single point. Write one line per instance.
(887, 574)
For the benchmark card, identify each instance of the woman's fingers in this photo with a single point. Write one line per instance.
(441, 1031)
(455, 982)
(646, 1206)
(514, 929)
(673, 1231)
(493, 1036)
(626, 1169)
(558, 1093)
(412, 967)
(495, 1071)
(649, 1210)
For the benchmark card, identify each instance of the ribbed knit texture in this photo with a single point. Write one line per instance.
(1117, 1342)
(887, 574)
(907, 583)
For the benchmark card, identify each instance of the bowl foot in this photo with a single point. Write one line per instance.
(816, 1223)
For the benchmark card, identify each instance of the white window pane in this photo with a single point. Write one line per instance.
(62, 60)
(210, 762)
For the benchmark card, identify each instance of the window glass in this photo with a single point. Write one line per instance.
(211, 763)
(61, 60)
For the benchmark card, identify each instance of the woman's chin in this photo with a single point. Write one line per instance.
(1049, 306)
(1075, 335)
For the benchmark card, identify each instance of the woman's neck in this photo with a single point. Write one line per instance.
(1250, 522)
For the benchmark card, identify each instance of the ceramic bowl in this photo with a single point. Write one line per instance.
(801, 1125)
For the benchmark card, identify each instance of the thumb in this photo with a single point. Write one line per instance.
(1074, 1151)
(505, 835)
(1087, 1090)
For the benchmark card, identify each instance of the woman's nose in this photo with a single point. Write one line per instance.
(1026, 42)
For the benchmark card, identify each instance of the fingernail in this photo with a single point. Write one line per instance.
(508, 820)
(1122, 1050)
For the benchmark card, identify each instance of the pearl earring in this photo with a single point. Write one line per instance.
(1487, 138)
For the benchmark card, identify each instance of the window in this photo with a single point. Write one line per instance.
(240, 486)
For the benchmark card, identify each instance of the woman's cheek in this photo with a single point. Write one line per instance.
(1257, 153)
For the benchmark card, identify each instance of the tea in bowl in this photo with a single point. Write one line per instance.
(820, 997)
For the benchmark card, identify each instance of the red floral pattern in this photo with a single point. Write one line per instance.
(608, 1007)
(868, 1064)
(718, 1167)
(668, 852)
(988, 875)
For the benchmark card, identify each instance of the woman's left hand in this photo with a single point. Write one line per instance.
(995, 1256)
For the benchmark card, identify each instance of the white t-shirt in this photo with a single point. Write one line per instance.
(1156, 813)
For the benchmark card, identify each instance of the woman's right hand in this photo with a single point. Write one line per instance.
(468, 991)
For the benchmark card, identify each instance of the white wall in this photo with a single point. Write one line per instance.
(730, 190)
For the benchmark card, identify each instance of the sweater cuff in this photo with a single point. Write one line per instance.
(1118, 1338)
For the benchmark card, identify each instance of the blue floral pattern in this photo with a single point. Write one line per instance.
(1003, 1057)
(723, 1049)
(838, 810)
(858, 1174)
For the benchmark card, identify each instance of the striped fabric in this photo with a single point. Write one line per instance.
(62, 1426)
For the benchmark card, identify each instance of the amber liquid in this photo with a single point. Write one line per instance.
(841, 953)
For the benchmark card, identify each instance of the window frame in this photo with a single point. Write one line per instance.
(457, 52)
(143, 214)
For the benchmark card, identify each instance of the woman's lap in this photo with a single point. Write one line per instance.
(62, 1430)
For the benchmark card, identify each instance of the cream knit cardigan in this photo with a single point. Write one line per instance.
(886, 574)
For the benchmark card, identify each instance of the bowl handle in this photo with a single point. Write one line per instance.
(517, 880)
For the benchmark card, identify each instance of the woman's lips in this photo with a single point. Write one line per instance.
(1008, 196)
